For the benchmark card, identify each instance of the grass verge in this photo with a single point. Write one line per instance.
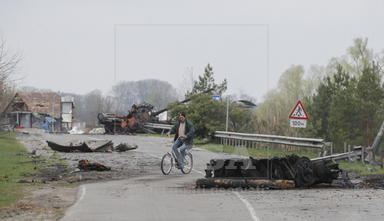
(360, 169)
(16, 164)
(153, 135)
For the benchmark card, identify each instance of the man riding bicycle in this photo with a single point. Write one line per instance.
(184, 132)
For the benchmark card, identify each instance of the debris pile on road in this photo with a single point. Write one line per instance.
(90, 146)
(122, 147)
(99, 130)
(100, 145)
(86, 165)
(75, 130)
(86, 146)
(278, 172)
(375, 181)
(244, 183)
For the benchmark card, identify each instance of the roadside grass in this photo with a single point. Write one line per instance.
(359, 168)
(17, 164)
(14, 165)
(153, 135)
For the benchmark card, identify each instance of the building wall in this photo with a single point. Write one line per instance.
(66, 108)
(25, 120)
(67, 114)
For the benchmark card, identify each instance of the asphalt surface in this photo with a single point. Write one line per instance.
(153, 196)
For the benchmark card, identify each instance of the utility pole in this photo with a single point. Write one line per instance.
(226, 122)
(53, 113)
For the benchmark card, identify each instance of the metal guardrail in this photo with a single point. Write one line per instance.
(158, 126)
(358, 152)
(229, 137)
(339, 156)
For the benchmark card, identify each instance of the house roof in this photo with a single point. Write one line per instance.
(38, 102)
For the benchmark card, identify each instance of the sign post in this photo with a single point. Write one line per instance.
(298, 117)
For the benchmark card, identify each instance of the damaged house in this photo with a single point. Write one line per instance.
(37, 110)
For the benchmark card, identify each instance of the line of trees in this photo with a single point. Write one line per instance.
(344, 99)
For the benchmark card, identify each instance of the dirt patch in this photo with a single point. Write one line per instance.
(47, 202)
(375, 181)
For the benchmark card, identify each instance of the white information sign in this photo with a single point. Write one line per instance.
(298, 123)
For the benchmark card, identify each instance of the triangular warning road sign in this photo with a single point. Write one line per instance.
(299, 112)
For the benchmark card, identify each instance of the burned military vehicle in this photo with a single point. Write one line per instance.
(133, 122)
(253, 172)
(136, 119)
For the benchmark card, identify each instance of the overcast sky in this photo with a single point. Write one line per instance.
(75, 46)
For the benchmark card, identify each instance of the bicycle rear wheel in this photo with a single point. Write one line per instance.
(188, 164)
(166, 163)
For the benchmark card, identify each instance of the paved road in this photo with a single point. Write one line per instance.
(172, 197)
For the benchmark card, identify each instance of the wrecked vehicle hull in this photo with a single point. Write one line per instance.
(87, 146)
(134, 121)
(61, 148)
(300, 170)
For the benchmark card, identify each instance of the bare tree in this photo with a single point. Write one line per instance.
(158, 93)
(8, 64)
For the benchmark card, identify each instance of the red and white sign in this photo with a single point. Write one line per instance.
(299, 112)
(298, 116)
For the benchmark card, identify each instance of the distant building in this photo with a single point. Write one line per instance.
(40, 110)
(67, 105)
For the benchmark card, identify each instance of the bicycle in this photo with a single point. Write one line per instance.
(168, 161)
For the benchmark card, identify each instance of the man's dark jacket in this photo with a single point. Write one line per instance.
(189, 131)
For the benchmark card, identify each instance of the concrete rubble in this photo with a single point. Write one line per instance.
(76, 130)
(99, 130)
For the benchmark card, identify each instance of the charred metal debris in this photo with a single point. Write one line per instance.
(86, 165)
(134, 121)
(91, 146)
(277, 172)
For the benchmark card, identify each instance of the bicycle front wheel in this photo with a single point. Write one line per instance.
(166, 163)
(188, 164)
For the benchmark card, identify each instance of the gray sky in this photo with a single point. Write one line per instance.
(69, 45)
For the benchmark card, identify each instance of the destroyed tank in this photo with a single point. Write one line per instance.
(241, 172)
(134, 121)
